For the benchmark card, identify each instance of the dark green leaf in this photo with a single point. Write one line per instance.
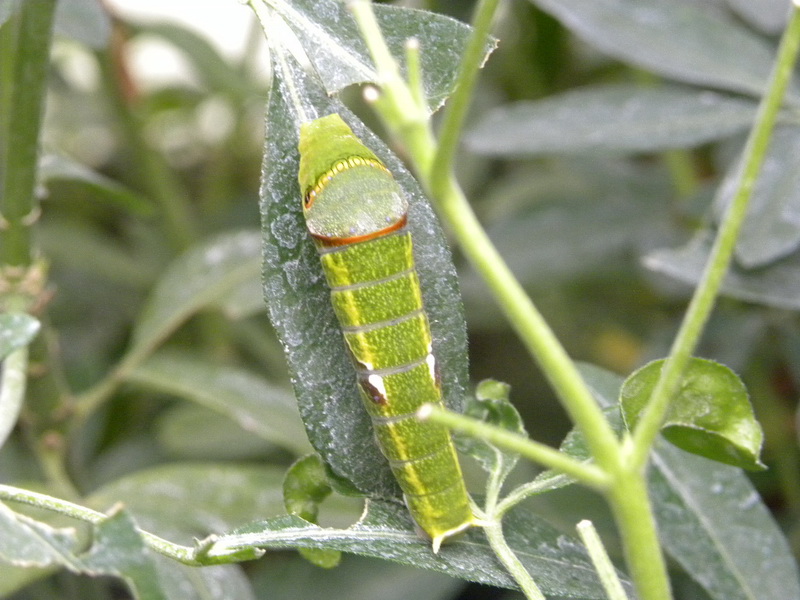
(329, 35)
(85, 21)
(304, 489)
(251, 401)
(710, 416)
(204, 276)
(59, 169)
(712, 520)
(491, 405)
(299, 300)
(770, 230)
(617, 118)
(16, 331)
(386, 531)
(777, 285)
(681, 39)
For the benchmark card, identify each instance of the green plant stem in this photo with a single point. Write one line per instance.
(633, 513)
(602, 563)
(183, 554)
(494, 534)
(535, 451)
(414, 130)
(706, 293)
(458, 104)
(627, 493)
(19, 208)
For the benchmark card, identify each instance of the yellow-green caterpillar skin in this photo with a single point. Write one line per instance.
(356, 213)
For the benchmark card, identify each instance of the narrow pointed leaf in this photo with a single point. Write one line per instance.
(386, 531)
(254, 403)
(688, 41)
(54, 169)
(776, 285)
(192, 500)
(25, 542)
(615, 118)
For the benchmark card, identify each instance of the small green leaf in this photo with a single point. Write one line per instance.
(491, 405)
(711, 518)
(386, 531)
(616, 118)
(16, 331)
(711, 415)
(304, 489)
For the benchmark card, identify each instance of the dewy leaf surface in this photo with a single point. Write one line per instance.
(299, 300)
(616, 118)
(693, 42)
(386, 532)
(333, 44)
(711, 519)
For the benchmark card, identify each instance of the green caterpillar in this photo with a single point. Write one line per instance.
(356, 213)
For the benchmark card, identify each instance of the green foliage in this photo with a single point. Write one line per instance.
(711, 416)
(147, 423)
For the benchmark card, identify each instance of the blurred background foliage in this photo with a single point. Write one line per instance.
(150, 193)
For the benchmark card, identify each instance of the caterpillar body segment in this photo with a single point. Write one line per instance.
(356, 213)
